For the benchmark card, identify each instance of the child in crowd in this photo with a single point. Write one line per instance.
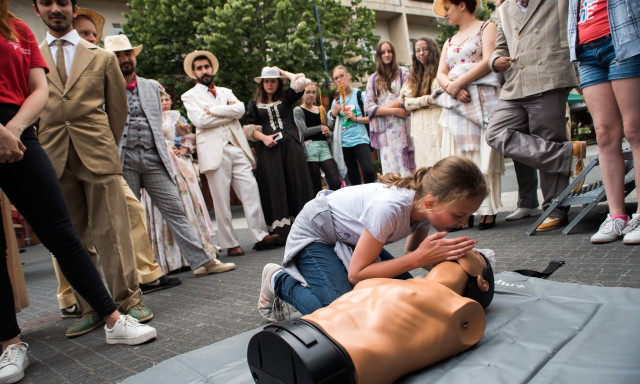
(337, 239)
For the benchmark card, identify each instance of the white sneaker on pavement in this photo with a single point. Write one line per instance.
(632, 231)
(609, 231)
(13, 362)
(127, 330)
(271, 307)
(520, 213)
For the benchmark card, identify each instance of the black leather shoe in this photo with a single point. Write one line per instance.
(269, 241)
(484, 225)
(163, 282)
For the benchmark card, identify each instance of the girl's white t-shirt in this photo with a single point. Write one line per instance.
(384, 211)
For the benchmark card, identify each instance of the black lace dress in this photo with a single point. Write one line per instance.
(283, 177)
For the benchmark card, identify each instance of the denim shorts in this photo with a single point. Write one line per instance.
(598, 63)
(318, 151)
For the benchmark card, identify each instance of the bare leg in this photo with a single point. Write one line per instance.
(625, 90)
(607, 121)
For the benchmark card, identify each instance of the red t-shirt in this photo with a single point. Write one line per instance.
(593, 20)
(18, 57)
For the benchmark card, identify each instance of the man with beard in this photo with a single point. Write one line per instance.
(145, 159)
(79, 129)
(224, 155)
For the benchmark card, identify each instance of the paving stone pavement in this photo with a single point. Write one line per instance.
(205, 310)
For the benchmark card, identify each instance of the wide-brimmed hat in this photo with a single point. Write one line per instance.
(95, 17)
(188, 62)
(438, 7)
(269, 73)
(117, 43)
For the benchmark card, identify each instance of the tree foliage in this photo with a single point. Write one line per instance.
(246, 35)
(446, 31)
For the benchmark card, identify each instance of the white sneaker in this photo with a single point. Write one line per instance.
(127, 330)
(13, 362)
(609, 231)
(632, 231)
(270, 306)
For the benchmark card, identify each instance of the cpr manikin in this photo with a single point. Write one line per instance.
(381, 330)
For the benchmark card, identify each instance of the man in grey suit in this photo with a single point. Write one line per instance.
(528, 123)
(145, 159)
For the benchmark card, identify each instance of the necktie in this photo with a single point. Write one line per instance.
(60, 65)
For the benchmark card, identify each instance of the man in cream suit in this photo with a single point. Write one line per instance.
(79, 129)
(528, 123)
(224, 155)
(145, 159)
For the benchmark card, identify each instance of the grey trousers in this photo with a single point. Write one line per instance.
(532, 131)
(144, 169)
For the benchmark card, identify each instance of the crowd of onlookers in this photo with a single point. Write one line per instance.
(93, 180)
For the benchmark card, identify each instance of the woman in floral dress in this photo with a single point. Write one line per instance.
(165, 250)
(463, 72)
(389, 126)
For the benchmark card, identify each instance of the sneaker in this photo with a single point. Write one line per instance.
(13, 362)
(632, 231)
(270, 306)
(214, 266)
(69, 312)
(127, 330)
(86, 324)
(140, 312)
(609, 231)
(163, 282)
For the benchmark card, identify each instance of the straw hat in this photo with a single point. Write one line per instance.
(188, 62)
(438, 7)
(269, 73)
(117, 43)
(95, 17)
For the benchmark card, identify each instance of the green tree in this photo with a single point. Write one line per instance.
(167, 30)
(246, 35)
(447, 31)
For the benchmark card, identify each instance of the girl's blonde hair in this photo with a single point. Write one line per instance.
(449, 180)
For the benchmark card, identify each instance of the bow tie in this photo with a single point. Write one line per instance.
(132, 85)
(524, 3)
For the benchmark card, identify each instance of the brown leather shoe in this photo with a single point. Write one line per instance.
(577, 164)
(235, 251)
(551, 223)
(269, 241)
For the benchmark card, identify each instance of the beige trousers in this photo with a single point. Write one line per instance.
(148, 270)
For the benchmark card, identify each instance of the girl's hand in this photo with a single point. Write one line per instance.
(463, 96)
(453, 88)
(349, 115)
(325, 130)
(269, 140)
(401, 112)
(337, 107)
(436, 249)
(11, 148)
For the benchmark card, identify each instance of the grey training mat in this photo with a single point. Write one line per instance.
(538, 331)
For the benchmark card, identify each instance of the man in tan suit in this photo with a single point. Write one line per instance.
(79, 129)
(528, 123)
